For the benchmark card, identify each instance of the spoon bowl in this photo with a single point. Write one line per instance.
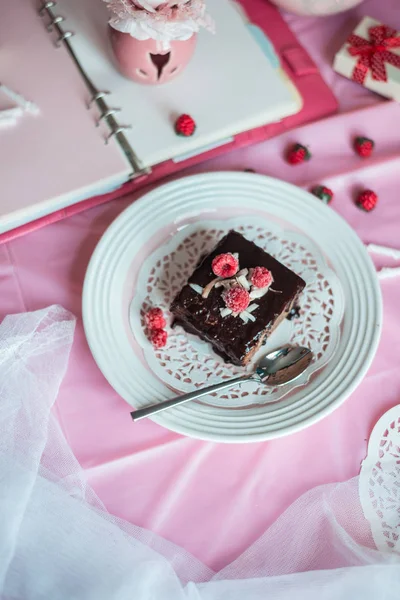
(284, 365)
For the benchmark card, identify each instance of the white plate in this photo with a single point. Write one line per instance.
(150, 223)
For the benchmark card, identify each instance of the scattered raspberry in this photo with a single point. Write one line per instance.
(237, 299)
(298, 154)
(158, 338)
(261, 277)
(185, 126)
(155, 319)
(367, 200)
(225, 265)
(364, 146)
(323, 193)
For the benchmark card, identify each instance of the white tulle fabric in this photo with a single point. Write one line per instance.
(57, 541)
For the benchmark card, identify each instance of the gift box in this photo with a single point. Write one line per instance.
(371, 57)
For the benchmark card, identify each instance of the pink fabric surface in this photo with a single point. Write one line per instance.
(213, 499)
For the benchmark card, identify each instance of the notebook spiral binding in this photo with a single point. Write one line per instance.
(97, 96)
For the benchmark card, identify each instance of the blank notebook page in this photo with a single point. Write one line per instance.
(57, 157)
(228, 87)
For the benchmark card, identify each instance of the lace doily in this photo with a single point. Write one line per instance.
(379, 483)
(187, 362)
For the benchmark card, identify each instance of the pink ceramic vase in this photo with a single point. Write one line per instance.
(145, 61)
(316, 7)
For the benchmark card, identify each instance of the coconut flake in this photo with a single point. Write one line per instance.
(244, 272)
(252, 307)
(248, 316)
(258, 293)
(225, 312)
(196, 288)
(235, 255)
(209, 287)
(243, 282)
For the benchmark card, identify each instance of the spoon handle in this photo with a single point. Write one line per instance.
(142, 413)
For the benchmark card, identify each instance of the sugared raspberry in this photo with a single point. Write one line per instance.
(367, 200)
(364, 146)
(159, 338)
(185, 125)
(237, 299)
(261, 277)
(155, 319)
(323, 193)
(225, 265)
(298, 154)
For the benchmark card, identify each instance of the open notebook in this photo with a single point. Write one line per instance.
(58, 157)
(229, 86)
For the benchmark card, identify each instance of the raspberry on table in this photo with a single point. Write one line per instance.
(237, 299)
(323, 193)
(261, 277)
(298, 154)
(367, 200)
(225, 265)
(185, 125)
(364, 146)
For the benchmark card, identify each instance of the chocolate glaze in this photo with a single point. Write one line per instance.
(230, 335)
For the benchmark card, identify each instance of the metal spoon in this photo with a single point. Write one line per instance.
(276, 368)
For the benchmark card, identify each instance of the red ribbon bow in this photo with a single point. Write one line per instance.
(374, 53)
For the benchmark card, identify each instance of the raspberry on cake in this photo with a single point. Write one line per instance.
(225, 265)
(229, 299)
(261, 277)
(236, 298)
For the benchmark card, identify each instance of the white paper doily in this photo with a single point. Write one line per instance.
(379, 483)
(187, 362)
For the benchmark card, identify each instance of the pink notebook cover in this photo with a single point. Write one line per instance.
(318, 101)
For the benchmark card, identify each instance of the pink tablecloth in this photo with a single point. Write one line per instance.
(212, 499)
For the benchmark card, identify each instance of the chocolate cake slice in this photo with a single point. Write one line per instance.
(236, 297)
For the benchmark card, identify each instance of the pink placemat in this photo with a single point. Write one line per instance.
(212, 499)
